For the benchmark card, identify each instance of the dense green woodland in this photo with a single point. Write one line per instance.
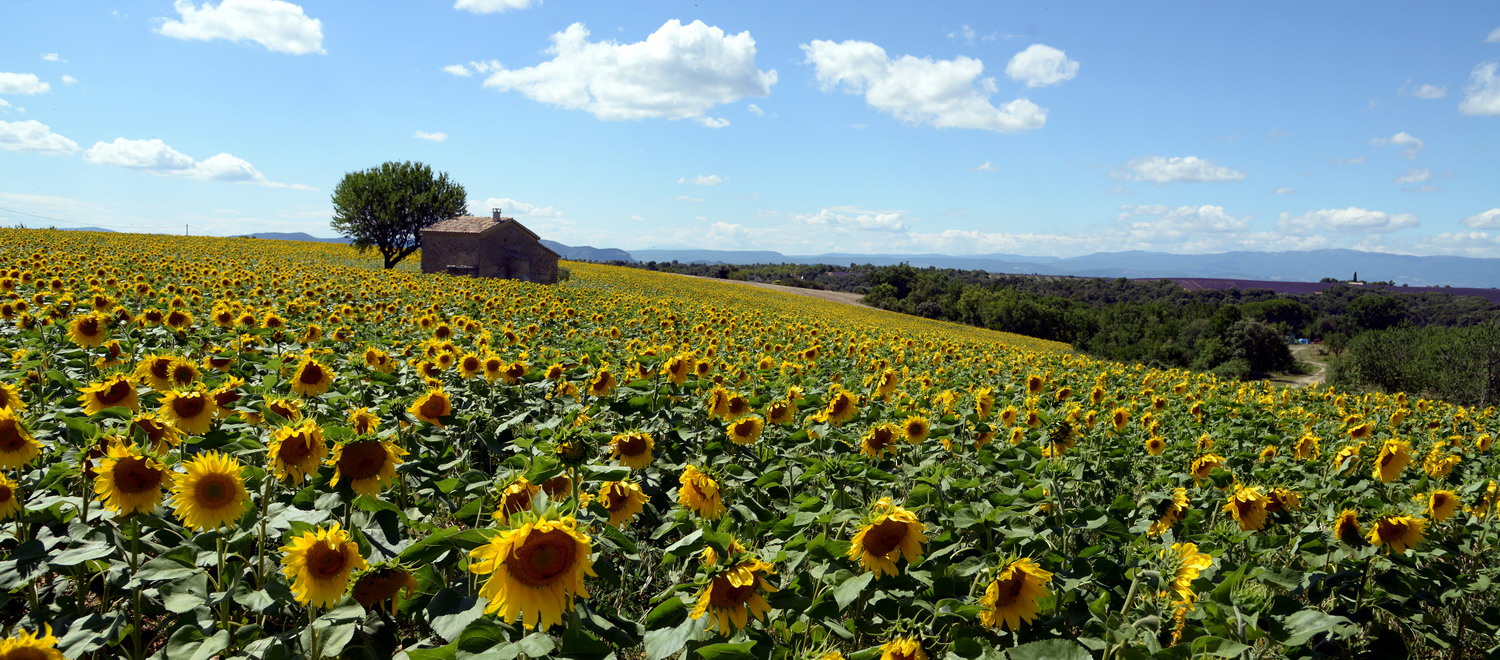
(1430, 343)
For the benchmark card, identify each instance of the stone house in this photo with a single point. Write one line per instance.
(492, 246)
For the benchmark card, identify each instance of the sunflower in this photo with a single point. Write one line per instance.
(368, 464)
(89, 330)
(893, 532)
(113, 392)
(711, 556)
(10, 399)
(312, 378)
(1397, 533)
(512, 373)
(163, 436)
(191, 411)
(296, 451)
(745, 430)
(1347, 458)
(1248, 507)
(632, 449)
(10, 498)
(733, 595)
(880, 440)
(514, 499)
(470, 366)
(1441, 504)
(781, 412)
(700, 493)
(127, 481)
(432, 407)
(1119, 418)
(364, 421)
(602, 383)
(212, 492)
(156, 371)
(1155, 445)
(319, 562)
(17, 446)
(1188, 565)
(182, 373)
(1393, 457)
(1282, 499)
(842, 406)
(623, 500)
(1346, 528)
(1171, 513)
(1308, 447)
(1012, 597)
(227, 394)
(916, 428)
(1204, 465)
(383, 587)
(1008, 416)
(907, 647)
(31, 646)
(536, 570)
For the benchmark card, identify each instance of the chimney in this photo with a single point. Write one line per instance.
(496, 214)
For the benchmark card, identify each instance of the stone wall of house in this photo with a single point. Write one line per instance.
(439, 251)
(509, 253)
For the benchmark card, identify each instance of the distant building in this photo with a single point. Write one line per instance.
(491, 246)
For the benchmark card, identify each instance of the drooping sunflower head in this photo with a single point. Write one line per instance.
(603, 383)
(514, 499)
(880, 440)
(734, 594)
(364, 421)
(366, 464)
(1441, 504)
(191, 411)
(1204, 465)
(212, 492)
(536, 569)
(116, 391)
(633, 449)
(623, 499)
(781, 412)
(1346, 528)
(383, 587)
(319, 562)
(10, 498)
(842, 406)
(296, 451)
(128, 481)
(891, 532)
(1170, 513)
(10, 399)
(746, 430)
(31, 646)
(432, 407)
(1248, 507)
(1397, 533)
(1393, 457)
(1185, 564)
(312, 378)
(1011, 597)
(1308, 447)
(17, 446)
(700, 492)
(1282, 499)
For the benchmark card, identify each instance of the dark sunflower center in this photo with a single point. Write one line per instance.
(471, 364)
(880, 438)
(884, 537)
(287, 412)
(1392, 530)
(10, 437)
(362, 459)
(543, 557)
(1244, 507)
(295, 450)
(916, 428)
(744, 429)
(312, 374)
(738, 406)
(88, 327)
(434, 407)
(152, 430)
(116, 393)
(6, 494)
(160, 366)
(516, 501)
(214, 491)
(188, 407)
(724, 595)
(632, 446)
(133, 475)
(176, 318)
(183, 374)
(325, 561)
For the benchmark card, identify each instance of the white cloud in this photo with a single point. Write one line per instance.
(52, 57)
(1414, 176)
(1156, 223)
(1346, 221)
(941, 93)
(458, 70)
(704, 180)
(678, 72)
(756, 110)
(541, 219)
(493, 6)
(711, 122)
(1429, 92)
(279, 26)
(986, 166)
(1494, 36)
(434, 136)
(685, 198)
(1482, 94)
(69, 79)
(1410, 145)
(851, 217)
(1488, 220)
(1284, 191)
(22, 83)
(155, 157)
(1041, 65)
(1161, 169)
(35, 137)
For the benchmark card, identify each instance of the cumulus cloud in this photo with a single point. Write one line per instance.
(940, 93)
(1482, 94)
(1488, 220)
(851, 217)
(678, 72)
(540, 219)
(1155, 223)
(1429, 92)
(35, 137)
(1414, 176)
(493, 6)
(1346, 221)
(278, 25)
(1161, 169)
(1284, 190)
(155, 157)
(1494, 36)
(52, 57)
(69, 80)
(1410, 145)
(756, 110)
(434, 136)
(1041, 65)
(458, 70)
(22, 83)
(986, 166)
(704, 180)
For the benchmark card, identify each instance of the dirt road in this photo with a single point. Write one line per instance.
(1310, 354)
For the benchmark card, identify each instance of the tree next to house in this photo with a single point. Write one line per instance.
(386, 207)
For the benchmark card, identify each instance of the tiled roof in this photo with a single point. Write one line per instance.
(464, 224)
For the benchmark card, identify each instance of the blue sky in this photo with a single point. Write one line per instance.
(961, 128)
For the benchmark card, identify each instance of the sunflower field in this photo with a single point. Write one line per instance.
(247, 448)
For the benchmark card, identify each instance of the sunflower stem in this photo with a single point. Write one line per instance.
(135, 592)
(260, 546)
(221, 582)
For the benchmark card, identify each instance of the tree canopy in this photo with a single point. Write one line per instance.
(387, 207)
